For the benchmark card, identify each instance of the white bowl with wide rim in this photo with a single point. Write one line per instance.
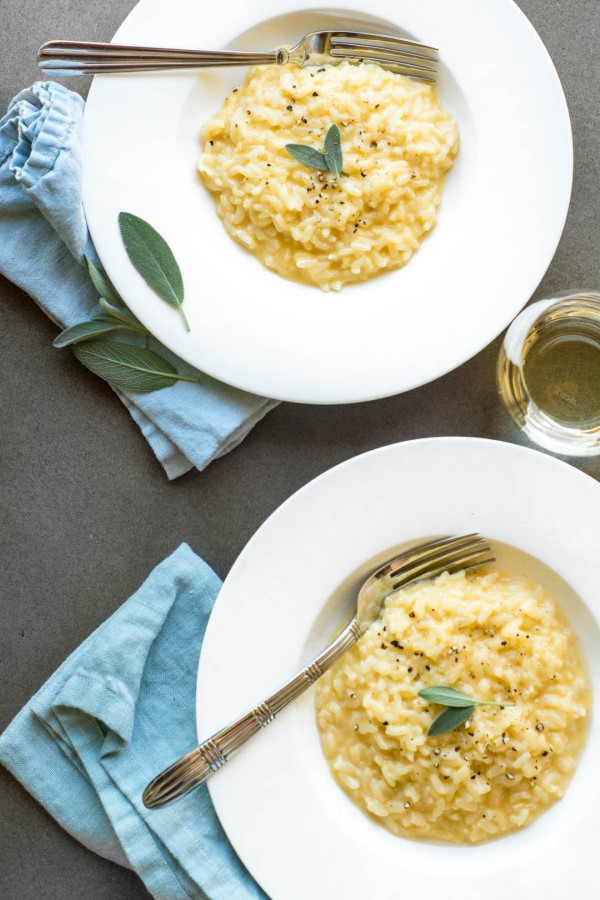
(297, 832)
(503, 209)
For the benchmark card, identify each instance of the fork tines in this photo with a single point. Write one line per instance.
(445, 555)
(402, 56)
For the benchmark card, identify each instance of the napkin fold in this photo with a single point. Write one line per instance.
(43, 238)
(118, 711)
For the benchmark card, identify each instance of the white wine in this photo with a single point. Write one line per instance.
(562, 371)
(549, 373)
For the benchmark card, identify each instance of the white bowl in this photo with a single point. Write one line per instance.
(503, 210)
(293, 827)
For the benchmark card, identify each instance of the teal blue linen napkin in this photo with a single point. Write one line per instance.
(43, 238)
(117, 712)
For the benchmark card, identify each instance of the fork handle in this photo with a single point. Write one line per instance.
(86, 57)
(194, 768)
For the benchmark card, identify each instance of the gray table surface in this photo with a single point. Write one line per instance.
(83, 519)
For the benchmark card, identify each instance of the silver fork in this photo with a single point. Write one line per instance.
(394, 53)
(424, 561)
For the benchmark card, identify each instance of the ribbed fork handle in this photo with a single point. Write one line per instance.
(193, 769)
(83, 57)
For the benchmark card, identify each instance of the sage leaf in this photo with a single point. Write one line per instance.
(153, 259)
(308, 156)
(450, 719)
(127, 368)
(118, 312)
(101, 283)
(332, 149)
(85, 331)
(115, 313)
(446, 696)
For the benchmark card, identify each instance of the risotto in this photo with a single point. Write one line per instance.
(495, 636)
(305, 224)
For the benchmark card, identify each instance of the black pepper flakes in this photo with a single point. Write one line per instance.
(411, 615)
(289, 108)
(315, 94)
(394, 643)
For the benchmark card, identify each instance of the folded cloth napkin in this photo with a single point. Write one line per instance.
(118, 711)
(43, 237)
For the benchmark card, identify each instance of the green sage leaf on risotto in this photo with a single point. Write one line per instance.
(332, 149)
(446, 696)
(153, 259)
(308, 156)
(127, 367)
(450, 719)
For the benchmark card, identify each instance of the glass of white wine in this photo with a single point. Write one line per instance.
(549, 373)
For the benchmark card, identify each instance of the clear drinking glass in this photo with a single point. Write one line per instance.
(549, 373)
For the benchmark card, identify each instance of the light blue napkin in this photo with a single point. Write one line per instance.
(118, 711)
(43, 237)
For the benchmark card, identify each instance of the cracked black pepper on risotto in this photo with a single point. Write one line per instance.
(496, 636)
(397, 141)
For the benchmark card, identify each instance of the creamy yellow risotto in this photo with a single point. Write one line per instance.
(397, 144)
(494, 636)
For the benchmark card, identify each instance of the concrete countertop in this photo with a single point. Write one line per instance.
(83, 519)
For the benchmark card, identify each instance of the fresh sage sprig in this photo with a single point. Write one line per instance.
(459, 707)
(127, 367)
(153, 259)
(112, 317)
(124, 366)
(85, 331)
(330, 160)
(101, 283)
